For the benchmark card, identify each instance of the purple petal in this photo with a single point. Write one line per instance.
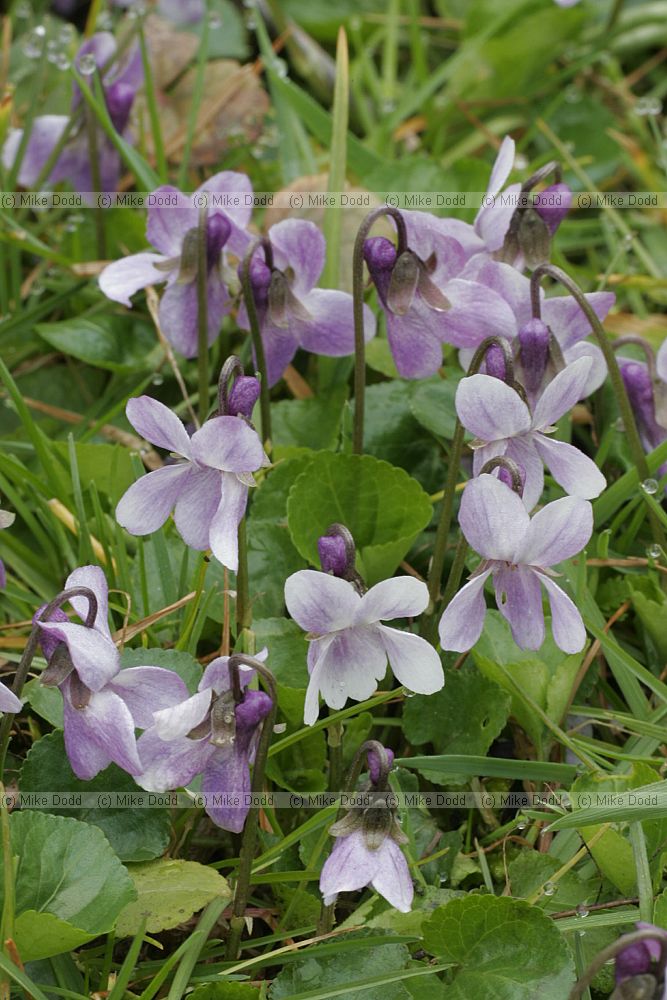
(349, 666)
(502, 166)
(392, 876)
(661, 361)
(233, 183)
(167, 224)
(223, 533)
(400, 597)
(598, 372)
(320, 603)
(168, 765)
(8, 700)
(148, 503)
(512, 286)
(477, 312)
(94, 579)
(349, 867)
(575, 472)
(299, 245)
(333, 554)
(562, 393)
(216, 675)
(375, 765)
(196, 507)
(85, 755)
(94, 656)
(331, 330)
(158, 424)
(519, 600)
(177, 721)
(227, 773)
(493, 518)
(490, 409)
(567, 320)
(558, 531)
(415, 346)
(414, 661)
(121, 279)
(179, 313)
(244, 394)
(146, 690)
(463, 619)
(280, 346)
(566, 622)
(104, 728)
(44, 135)
(228, 444)
(493, 221)
(523, 451)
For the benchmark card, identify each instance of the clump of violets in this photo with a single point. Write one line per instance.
(349, 645)
(173, 228)
(367, 849)
(102, 703)
(214, 733)
(121, 77)
(518, 553)
(7, 518)
(291, 311)
(207, 486)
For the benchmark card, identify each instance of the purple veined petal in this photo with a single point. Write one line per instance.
(146, 690)
(512, 286)
(299, 245)
(491, 409)
(178, 720)
(575, 472)
(349, 867)
(502, 166)
(167, 224)
(129, 70)
(179, 313)
(400, 597)
(122, 278)
(661, 361)
(8, 700)
(228, 444)
(331, 329)
(493, 518)
(415, 346)
(320, 603)
(519, 600)
(106, 723)
(493, 221)
(94, 579)
(93, 654)
(233, 183)
(3, 575)
(223, 533)
(392, 876)
(413, 660)
(227, 772)
(567, 320)
(158, 424)
(598, 371)
(480, 456)
(567, 624)
(558, 531)
(462, 620)
(85, 755)
(477, 312)
(350, 666)
(562, 393)
(148, 503)
(45, 134)
(280, 346)
(432, 237)
(522, 450)
(196, 507)
(169, 765)
(216, 675)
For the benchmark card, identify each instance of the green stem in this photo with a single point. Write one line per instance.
(153, 110)
(256, 333)
(335, 744)
(202, 315)
(243, 605)
(643, 872)
(612, 950)
(8, 906)
(95, 175)
(455, 572)
(248, 842)
(197, 97)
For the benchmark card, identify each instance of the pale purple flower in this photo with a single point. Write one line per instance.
(180, 12)
(517, 552)
(6, 520)
(495, 215)
(503, 425)
(172, 228)
(121, 79)
(102, 703)
(640, 390)
(353, 865)
(209, 735)
(349, 645)
(644, 959)
(207, 489)
(292, 312)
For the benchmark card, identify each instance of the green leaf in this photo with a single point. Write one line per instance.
(109, 466)
(503, 948)
(432, 403)
(224, 991)
(69, 882)
(382, 506)
(307, 423)
(45, 701)
(134, 834)
(168, 893)
(119, 344)
(497, 767)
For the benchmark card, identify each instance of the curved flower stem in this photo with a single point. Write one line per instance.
(629, 423)
(29, 653)
(247, 852)
(255, 331)
(243, 605)
(612, 950)
(232, 368)
(202, 315)
(358, 311)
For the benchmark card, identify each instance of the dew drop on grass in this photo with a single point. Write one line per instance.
(650, 486)
(582, 910)
(549, 888)
(87, 64)
(33, 44)
(654, 551)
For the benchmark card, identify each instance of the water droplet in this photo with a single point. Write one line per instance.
(520, 162)
(158, 379)
(572, 95)
(87, 64)
(650, 486)
(63, 61)
(443, 879)
(582, 910)
(654, 552)
(280, 727)
(214, 20)
(549, 888)
(65, 34)
(33, 44)
(619, 425)
(250, 22)
(104, 21)
(648, 106)
(628, 240)
(280, 67)
(522, 824)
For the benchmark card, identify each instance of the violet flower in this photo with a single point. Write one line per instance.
(503, 425)
(179, 12)
(292, 312)
(517, 552)
(644, 961)
(121, 80)
(173, 229)
(641, 393)
(6, 521)
(207, 489)
(102, 703)
(349, 646)
(211, 735)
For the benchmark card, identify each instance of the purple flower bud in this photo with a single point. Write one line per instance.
(243, 396)
(333, 554)
(533, 353)
(639, 388)
(119, 98)
(260, 280)
(505, 476)
(553, 204)
(3, 575)
(255, 706)
(380, 257)
(47, 640)
(495, 363)
(639, 958)
(375, 765)
(218, 229)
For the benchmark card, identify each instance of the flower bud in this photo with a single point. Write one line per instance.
(380, 257)
(218, 229)
(243, 396)
(533, 238)
(641, 957)
(333, 554)
(47, 641)
(533, 353)
(505, 476)
(553, 204)
(119, 99)
(376, 766)
(495, 363)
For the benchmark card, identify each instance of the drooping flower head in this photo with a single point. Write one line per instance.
(367, 848)
(207, 488)
(646, 386)
(517, 553)
(214, 733)
(102, 703)
(173, 227)
(292, 312)
(641, 966)
(349, 646)
(121, 79)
